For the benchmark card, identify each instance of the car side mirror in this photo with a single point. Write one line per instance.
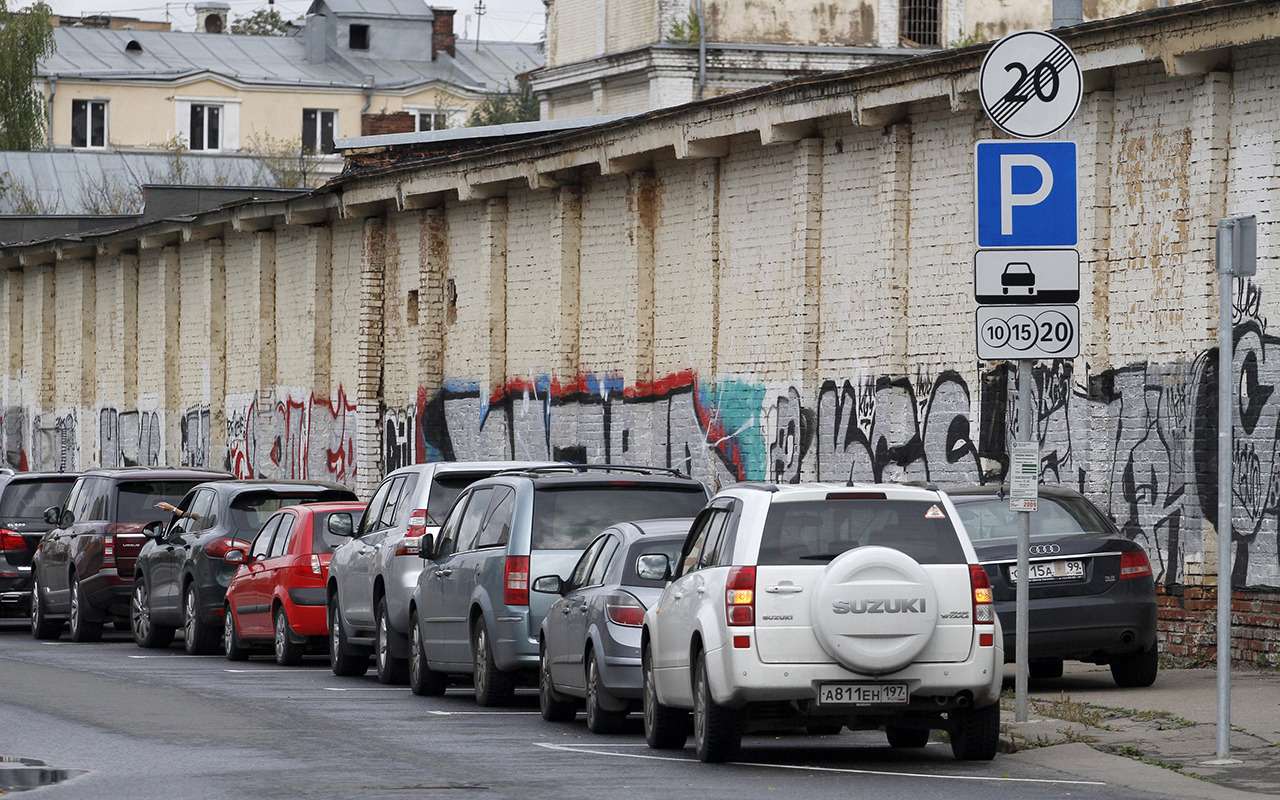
(233, 556)
(426, 546)
(549, 584)
(653, 567)
(341, 525)
(67, 519)
(52, 515)
(153, 530)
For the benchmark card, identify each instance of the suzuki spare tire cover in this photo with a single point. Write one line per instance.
(874, 610)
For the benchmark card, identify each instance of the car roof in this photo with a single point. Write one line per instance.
(470, 466)
(159, 474)
(637, 529)
(31, 477)
(326, 508)
(999, 490)
(600, 476)
(238, 486)
(796, 492)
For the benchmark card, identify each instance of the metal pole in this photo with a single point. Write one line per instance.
(702, 49)
(1224, 491)
(1023, 590)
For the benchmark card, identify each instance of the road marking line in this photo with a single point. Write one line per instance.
(364, 689)
(841, 770)
(278, 670)
(184, 655)
(476, 713)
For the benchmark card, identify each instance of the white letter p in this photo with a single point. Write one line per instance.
(1007, 197)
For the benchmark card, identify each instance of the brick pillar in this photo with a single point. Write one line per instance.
(1098, 121)
(433, 263)
(641, 217)
(894, 159)
(117, 359)
(1207, 190)
(263, 268)
(75, 369)
(806, 258)
(12, 416)
(566, 238)
(201, 419)
(369, 363)
(493, 243)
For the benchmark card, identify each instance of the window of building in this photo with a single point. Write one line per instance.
(317, 130)
(206, 127)
(431, 120)
(88, 123)
(358, 37)
(920, 23)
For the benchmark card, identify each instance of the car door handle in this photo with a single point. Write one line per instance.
(443, 573)
(702, 590)
(677, 595)
(565, 611)
(784, 588)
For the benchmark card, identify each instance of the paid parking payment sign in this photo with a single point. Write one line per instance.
(1026, 194)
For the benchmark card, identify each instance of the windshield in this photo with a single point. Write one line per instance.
(816, 531)
(445, 489)
(988, 517)
(567, 519)
(31, 498)
(137, 500)
(250, 511)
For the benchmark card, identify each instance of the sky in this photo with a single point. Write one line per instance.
(503, 19)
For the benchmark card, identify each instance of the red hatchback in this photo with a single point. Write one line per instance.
(277, 596)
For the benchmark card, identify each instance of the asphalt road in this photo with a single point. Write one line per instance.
(159, 724)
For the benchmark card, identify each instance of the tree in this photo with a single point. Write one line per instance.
(262, 22)
(26, 37)
(500, 109)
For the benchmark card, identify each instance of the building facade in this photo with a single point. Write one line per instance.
(212, 91)
(775, 286)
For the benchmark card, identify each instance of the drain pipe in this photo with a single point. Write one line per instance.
(702, 48)
(53, 92)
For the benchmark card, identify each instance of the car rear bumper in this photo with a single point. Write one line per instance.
(106, 593)
(15, 602)
(622, 676)
(401, 579)
(1087, 628)
(307, 618)
(738, 677)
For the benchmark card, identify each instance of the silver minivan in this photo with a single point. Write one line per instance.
(472, 612)
(372, 575)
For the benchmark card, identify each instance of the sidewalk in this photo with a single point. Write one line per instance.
(1170, 725)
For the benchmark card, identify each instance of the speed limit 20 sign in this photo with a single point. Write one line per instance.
(1030, 84)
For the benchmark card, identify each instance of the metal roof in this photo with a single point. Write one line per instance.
(523, 129)
(414, 9)
(79, 182)
(100, 54)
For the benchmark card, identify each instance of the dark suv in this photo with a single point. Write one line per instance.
(180, 577)
(83, 569)
(23, 499)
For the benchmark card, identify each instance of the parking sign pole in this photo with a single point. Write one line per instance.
(1023, 586)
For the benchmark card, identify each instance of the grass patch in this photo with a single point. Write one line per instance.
(1129, 751)
(1070, 710)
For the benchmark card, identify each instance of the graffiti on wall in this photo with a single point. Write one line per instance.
(54, 446)
(13, 426)
(193, 434)
(285, 434)
(130, 438)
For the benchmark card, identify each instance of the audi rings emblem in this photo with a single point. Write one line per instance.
(1044, 549)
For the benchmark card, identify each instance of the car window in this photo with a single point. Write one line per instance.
(469, 529)
(497, 526)
(248, 510)
(284, 534)
(95, 502)
(387, 517)
(201, 511)
(566, 517)
(445, 488)
(262, 542)
(816, 531)
(601, 566)
(583, 568)
(408, 496)
(715, 535)
(31, 498)
(374, 510)
(646, 546)
(693, 544)
(321, 540)
(449, 531)
(136, 500)
(84, 499)
(74, 497)
(988, 517)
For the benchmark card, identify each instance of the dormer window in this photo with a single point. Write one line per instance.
(358, 37)
(134, 46)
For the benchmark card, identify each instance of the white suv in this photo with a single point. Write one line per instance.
(824, 605)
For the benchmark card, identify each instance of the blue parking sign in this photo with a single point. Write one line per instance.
(1026, 194)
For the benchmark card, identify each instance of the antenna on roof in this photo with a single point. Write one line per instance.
(480, 12)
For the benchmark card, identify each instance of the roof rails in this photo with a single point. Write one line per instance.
(928, 485)
(634, 469)
(760, 486)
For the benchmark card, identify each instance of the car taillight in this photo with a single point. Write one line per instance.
(1134, 564)
(11, 540)
(408, 546)
(740, 596)
(515, 583)
(984, 613)
(317, 568)
(623, 609)
(108, 550)
(219, 547)
(417, 523)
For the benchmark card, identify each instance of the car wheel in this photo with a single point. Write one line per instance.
(904, 738)
(391, 670)
(145, 632)
(82, 630)
(599, 718)
(554, 707)
(231, 645)
(975, 733)
(288, 652)
(493, 686)
(665, 728)
(423, 681)
(197, 637)
(1045, 669)
(344, 659)
(1136, 671)
(41, 626)
(717, 729)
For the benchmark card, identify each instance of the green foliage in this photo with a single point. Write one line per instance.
(26, 37)
(262, 22)
(501, 109)
(686, 31)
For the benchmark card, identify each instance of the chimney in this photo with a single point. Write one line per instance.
(378, 124)
(211, 17)
(1067, 12)
(442, 36)
(315, 38)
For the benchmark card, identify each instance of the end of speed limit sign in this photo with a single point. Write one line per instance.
(1012, 332)
(1030, 84)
